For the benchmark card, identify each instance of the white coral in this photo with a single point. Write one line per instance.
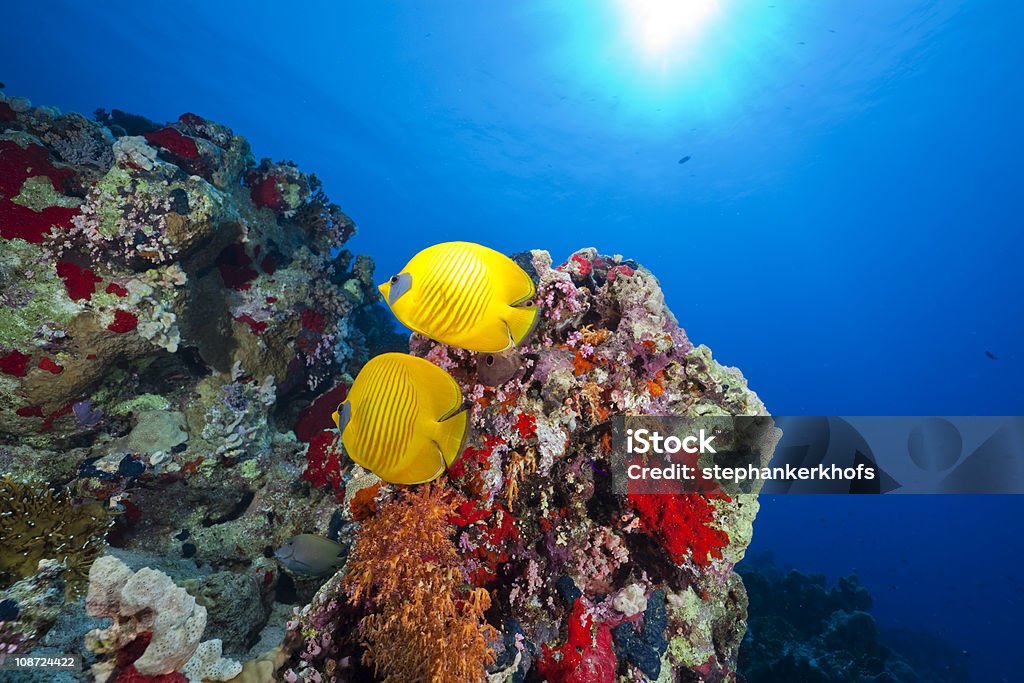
(178, 622)
(161, 328)
(631, 600)
(107, 577)
(208, 664)
(133, 150)
(147, 600)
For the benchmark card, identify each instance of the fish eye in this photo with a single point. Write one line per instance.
(489, 360)
(394, 279)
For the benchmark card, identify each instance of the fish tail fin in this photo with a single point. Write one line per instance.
(521, 322)
(452, 435)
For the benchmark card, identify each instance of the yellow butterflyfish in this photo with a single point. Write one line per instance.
(402, 419)
(466, 295)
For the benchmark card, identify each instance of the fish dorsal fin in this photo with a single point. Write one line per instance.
(513, 284)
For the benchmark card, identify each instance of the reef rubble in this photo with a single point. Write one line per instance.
(178, 322)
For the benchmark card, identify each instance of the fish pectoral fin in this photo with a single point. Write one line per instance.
(511, 340)
(441, 466)
(461, 408)
(440, 457)
(300, 567)
(451, 436)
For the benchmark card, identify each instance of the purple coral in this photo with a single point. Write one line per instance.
(86, 414)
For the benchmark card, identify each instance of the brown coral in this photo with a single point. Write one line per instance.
(423, 625)
(38, 523)
(519, 466)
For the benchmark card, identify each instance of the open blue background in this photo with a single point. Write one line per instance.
(847, 230)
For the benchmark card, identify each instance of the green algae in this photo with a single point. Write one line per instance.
(37, 193)
(44, 298)
(140, 403)
(694, 647)
(250, 469)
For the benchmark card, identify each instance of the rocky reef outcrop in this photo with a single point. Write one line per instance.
(158, 261)
(800, 629)
(177, 324)
(567, 580)
(168, 308)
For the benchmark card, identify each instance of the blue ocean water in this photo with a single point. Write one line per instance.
(846, 227)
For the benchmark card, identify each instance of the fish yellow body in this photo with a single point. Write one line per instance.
(464, 294)
(401, 419)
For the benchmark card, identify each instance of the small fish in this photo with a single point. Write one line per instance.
(465, 295)
(495, 369)
(310, 555)
(403, 419)
(684, 160)
(991, 355)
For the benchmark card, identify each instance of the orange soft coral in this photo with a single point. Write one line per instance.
(422, 624)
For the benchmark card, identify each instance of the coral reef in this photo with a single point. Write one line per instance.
(583, 584)
(162, 327)
(801, 630)
(119, 249)
(177, 324)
